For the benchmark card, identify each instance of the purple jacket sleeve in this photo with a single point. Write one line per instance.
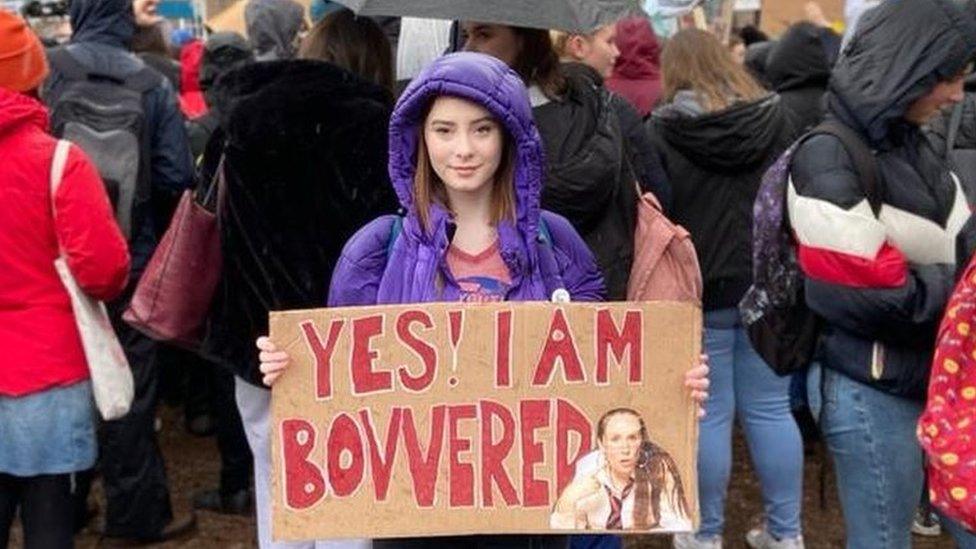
(578, 267)
(357, 274)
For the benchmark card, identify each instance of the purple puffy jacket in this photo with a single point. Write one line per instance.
(371, 271)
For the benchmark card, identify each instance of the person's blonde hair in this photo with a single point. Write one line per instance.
(695, 60)
(429, 189)
(560, 42)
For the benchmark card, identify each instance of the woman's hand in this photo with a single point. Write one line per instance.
(696, 380)
(273, 362)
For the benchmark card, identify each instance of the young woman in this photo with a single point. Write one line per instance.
(598, 51)
(881, 301)
(718, 131)
(467, 164)
(637, 72)
(47, 425)
(627, 483)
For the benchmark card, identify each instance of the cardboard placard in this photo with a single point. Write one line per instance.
(443, 419)
(778, 15)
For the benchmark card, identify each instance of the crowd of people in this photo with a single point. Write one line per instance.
(507, 166)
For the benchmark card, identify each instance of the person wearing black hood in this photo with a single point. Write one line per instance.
(751, 35)
(223, 52)
(718, 130)
(210, 385)
(798, 68)
(273, 27)
(953, 135)
(134, 476)
(879, 266)
(756, 57)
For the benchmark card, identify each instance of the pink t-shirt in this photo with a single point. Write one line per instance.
(483, 277)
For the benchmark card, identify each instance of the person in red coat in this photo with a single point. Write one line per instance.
(47, 430)
(637, 71)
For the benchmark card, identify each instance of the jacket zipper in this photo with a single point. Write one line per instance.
(877, 361)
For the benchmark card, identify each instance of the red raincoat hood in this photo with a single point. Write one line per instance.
(191, 97)
(637, 74)
(17, 109)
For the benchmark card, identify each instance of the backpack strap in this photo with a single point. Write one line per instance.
(61, 59)
(549, 267)
(864, 161)
(58, 162)
(545, 236)
(144, 79)
(955, 121)
(395, 231)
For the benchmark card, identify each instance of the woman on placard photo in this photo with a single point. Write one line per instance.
(627, 483)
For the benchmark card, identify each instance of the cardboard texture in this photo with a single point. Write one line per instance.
(443, 419)
(778, 15)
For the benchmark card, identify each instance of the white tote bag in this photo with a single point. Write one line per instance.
(110, 374)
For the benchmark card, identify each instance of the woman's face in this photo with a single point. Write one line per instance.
(464, 142)
(942, 96)
(621, 441)
(145, 12)
(738, 52)
(598, 50)
(498, 41)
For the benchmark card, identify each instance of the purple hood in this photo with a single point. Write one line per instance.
(537, 268)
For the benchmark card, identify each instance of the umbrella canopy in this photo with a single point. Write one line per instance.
(566, 15)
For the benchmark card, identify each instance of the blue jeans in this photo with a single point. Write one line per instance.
(964, 538)
(871, 436)
(742, 383)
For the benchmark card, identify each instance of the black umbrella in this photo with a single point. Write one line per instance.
(566, 15)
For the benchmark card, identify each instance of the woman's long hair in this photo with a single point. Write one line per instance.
(695, 60)
(354, 43)
(654, 466)
(538, 63)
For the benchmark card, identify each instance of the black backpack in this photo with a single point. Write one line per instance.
(104, 115)
(781, 328)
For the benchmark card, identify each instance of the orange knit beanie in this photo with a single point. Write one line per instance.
(22, 63)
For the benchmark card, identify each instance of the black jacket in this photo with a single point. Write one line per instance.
(962, 157)
(715, 162)
(306, 166)
(757, 55)
(644, 160)
(589, 180)
(166, 66)
(798, 68)
(881, 282)
(223, 52)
